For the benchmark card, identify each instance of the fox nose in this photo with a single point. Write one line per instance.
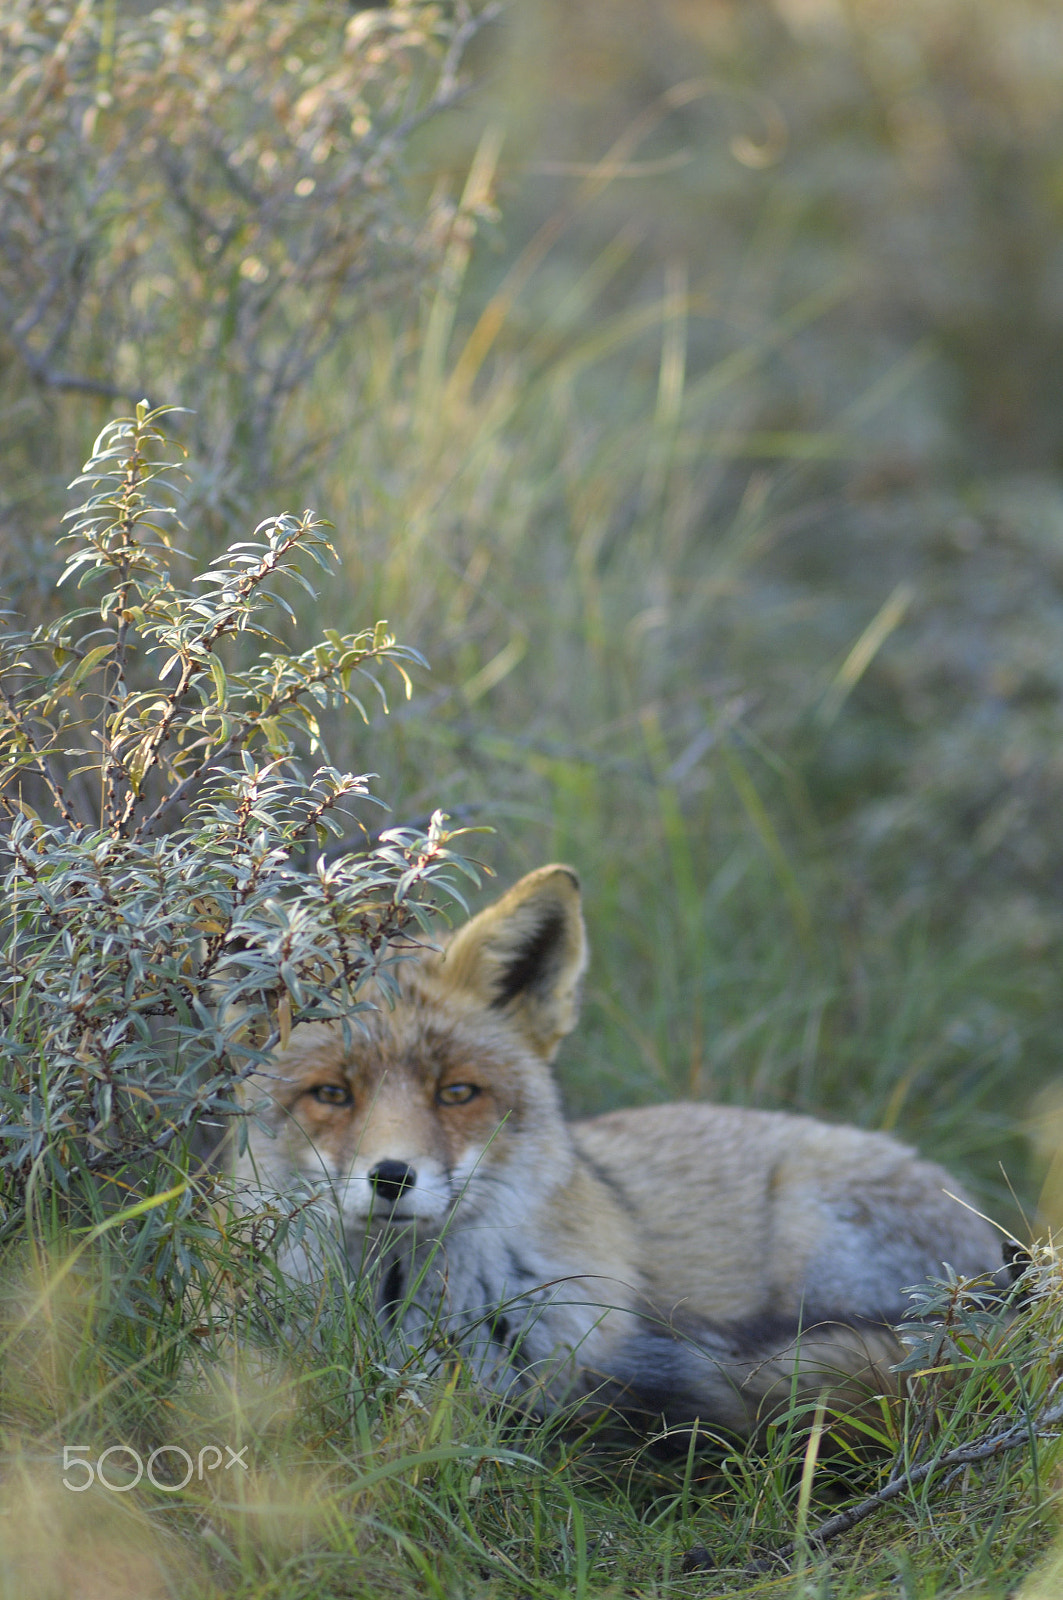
(390, 1179)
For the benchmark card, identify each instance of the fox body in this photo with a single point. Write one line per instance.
(685, 1262)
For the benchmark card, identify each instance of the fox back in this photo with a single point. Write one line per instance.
(688, 1262)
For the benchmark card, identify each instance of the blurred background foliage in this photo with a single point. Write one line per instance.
(683, 378)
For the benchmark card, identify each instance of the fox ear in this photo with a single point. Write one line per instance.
(526, 955)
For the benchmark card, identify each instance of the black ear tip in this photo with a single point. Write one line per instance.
(560, 870)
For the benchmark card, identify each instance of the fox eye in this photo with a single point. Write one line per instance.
(332, 1094)
(456, 1094)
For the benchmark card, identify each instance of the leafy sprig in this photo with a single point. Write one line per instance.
(163, 788)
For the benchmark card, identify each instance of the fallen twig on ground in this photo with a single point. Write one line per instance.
(1012, 1438)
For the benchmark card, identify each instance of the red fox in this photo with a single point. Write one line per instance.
(689, 1263)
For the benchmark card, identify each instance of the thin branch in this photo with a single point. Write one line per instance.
(44, 768)
(52, 379)
(1016, 1437)
(243, 731)
(473, 23)
(42, 371)
(37, 312)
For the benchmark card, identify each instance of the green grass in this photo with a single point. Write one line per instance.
(359, 1480)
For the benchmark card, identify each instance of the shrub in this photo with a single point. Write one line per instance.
(160, 932)
(196, 201)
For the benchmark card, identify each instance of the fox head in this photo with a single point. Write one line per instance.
(442, 1104)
